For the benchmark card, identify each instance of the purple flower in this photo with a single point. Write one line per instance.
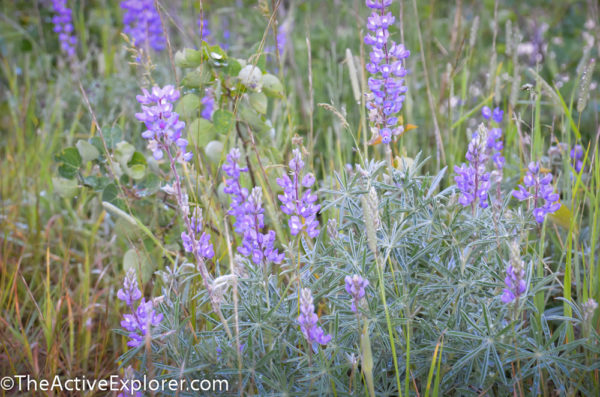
(497, 115)
(142, 318)
(142, 23)
(63, 25)
(538, 187)
(249, 215)
(378, 4)
(494, 143)
(208, 104)
(386, 65)
(486, 112)
(203, 28)
(355, 286)
(163, 125)
(577, 158)
(300, 206)
(130, 291)
(472, 179)
(308, 320)
(194, 239)
(515, 284)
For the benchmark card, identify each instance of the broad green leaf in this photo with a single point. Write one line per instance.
(272, 86)
(112, 135)
(136, 260)
(124, 152)
(259, 102)
(70, 161)
(197, 78)
(96, 183)
(223, 121)
(87, 151)
(137, 158)
(64, 187)
(110, 193)
(250, 116)
(213, 151)
(148, 185)
(137, 171)
(188, 106)
(200, 132)
(188, 58)
(233, 67)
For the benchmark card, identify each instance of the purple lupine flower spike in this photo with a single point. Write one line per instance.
(494, 142)
(515, 277)
(538, 187)
(577, 158)
(142, 318)
(130, 291)
(249, 215)
(472, 179)
(355, 286)
(308, 320)
(203, 28)
(208, 104)
(63, 25)
(515, 284)
(386, 66)
(142, 23)
(195, 240)
(163, 125)
(300, 206)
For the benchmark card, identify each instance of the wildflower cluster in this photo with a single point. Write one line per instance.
(472, 179)
(540, 188)
(355, 286)
(64, 26)
(386, 66)
(249, 214)
(308, 320)
(302, 208)
(142, 23)
(142, 318)
(163, 125)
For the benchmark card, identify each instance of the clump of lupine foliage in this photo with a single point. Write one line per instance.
(193, 226)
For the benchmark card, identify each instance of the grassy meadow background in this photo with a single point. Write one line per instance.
(63, 254)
